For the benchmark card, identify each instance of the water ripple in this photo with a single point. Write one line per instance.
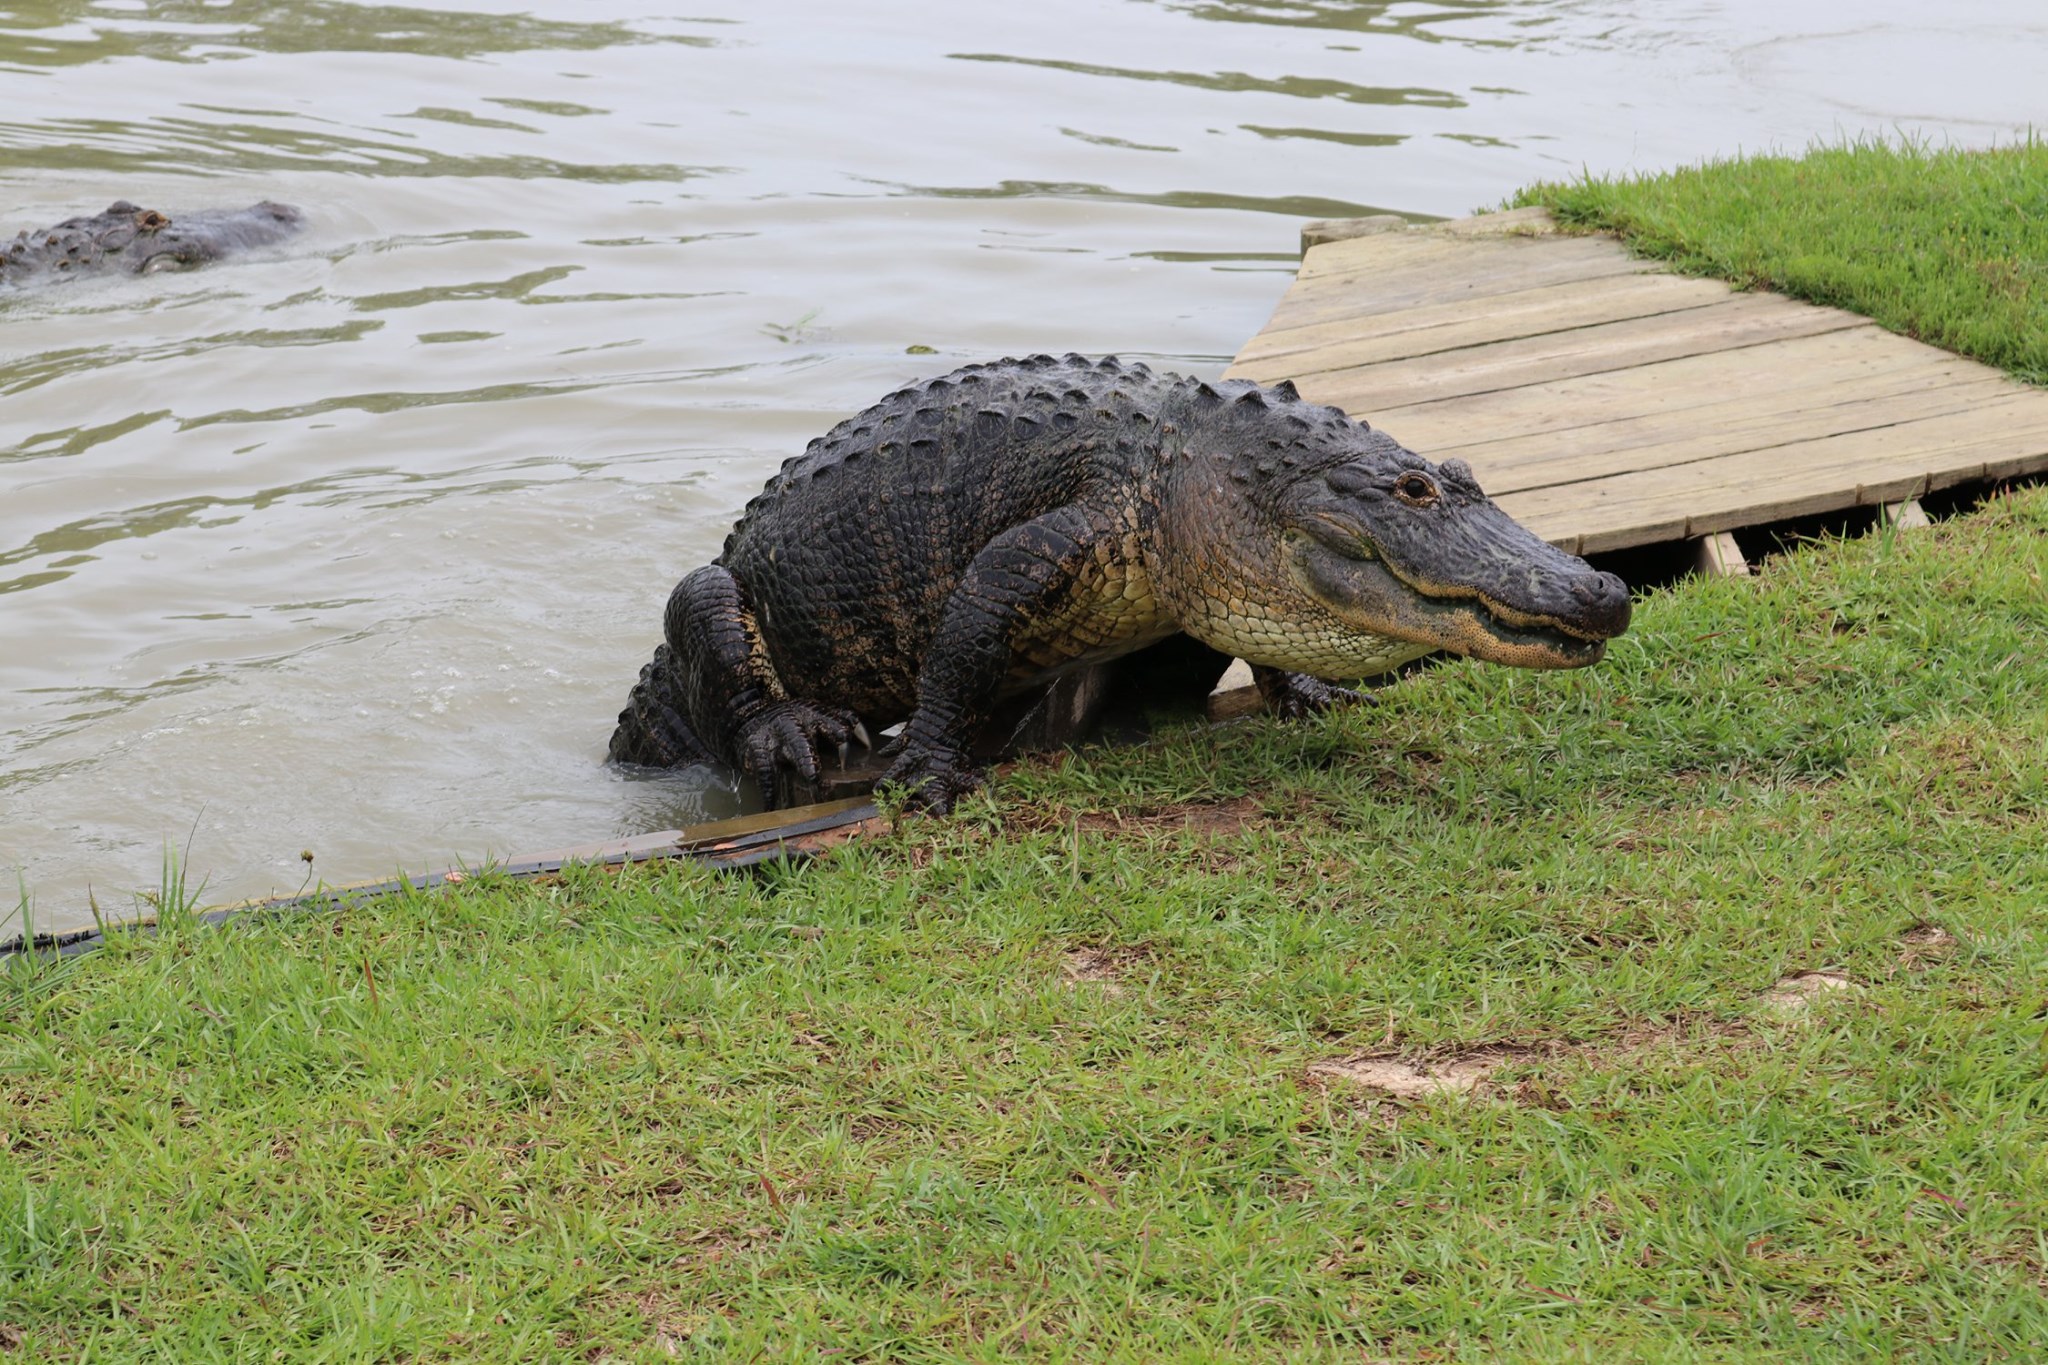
(1388, 18)
(1290, 205)
(204, 30)
(1237, 82)
(121, 148)
(30, 372)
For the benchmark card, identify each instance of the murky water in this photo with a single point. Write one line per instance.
(355, 547)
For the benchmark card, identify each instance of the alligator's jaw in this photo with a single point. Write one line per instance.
(1370, 597)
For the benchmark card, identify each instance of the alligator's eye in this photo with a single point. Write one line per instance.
(1417, 490)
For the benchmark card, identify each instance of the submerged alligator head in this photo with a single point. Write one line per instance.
(1344, 554)
(130, 240)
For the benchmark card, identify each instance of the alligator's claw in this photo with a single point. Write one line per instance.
(784, 737)
(931, 780)
(1295, 695)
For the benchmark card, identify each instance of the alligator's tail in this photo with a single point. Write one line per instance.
(654, 729)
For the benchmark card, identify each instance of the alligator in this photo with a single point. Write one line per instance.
(974, 536)
(136, 241)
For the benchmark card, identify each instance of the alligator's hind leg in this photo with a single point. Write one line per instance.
(1021, 581)
(652, 729)
(704, 679)
(722, 693)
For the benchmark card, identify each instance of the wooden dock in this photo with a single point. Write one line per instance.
(1605, 402)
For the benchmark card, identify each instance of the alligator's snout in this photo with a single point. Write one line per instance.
(192, 238)
(1602, 603)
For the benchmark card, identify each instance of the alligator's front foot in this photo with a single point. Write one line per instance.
(930, 779)
(784, 737)
(1294, 695)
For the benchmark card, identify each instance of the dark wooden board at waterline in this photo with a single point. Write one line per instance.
(1606, 403)
(789, 835)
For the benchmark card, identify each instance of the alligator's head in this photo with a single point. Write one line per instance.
(1392, 545)
(1346, 554)
(148, 241)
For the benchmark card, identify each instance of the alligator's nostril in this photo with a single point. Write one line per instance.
(1603, 600)
(1598, 587)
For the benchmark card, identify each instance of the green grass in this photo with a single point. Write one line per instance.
(864, 1108)
(1948, 246)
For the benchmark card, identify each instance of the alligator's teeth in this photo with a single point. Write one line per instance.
(860, 732)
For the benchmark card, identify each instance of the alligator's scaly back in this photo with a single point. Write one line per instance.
(853, 550)
(978, 533)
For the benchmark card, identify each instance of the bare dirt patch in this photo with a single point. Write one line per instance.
(1193, 817)
(1404, 1079)
(673, 1325)
(1101, 968)
(870, 1127)
(1471, 1070)
(1794, 995)
(1924, 943)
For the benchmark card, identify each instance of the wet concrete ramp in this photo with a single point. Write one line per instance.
(1606, 403)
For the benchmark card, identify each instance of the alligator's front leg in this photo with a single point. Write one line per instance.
(729, 689)
(1294, 695)
(1018, 579)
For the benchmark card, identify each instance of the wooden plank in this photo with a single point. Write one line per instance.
(1374, 255)
(1321, 230)
(1860, 469)
(1738, 321)
(1718, 556)
(1432, 277)
(1382, 256)
(2009, 464)
(1532, 221)
(1291, 352)
(1432, 281)
(1668, 440)
(640, 847)
(1687, 383)
(1830, 401)
(1906, 516)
